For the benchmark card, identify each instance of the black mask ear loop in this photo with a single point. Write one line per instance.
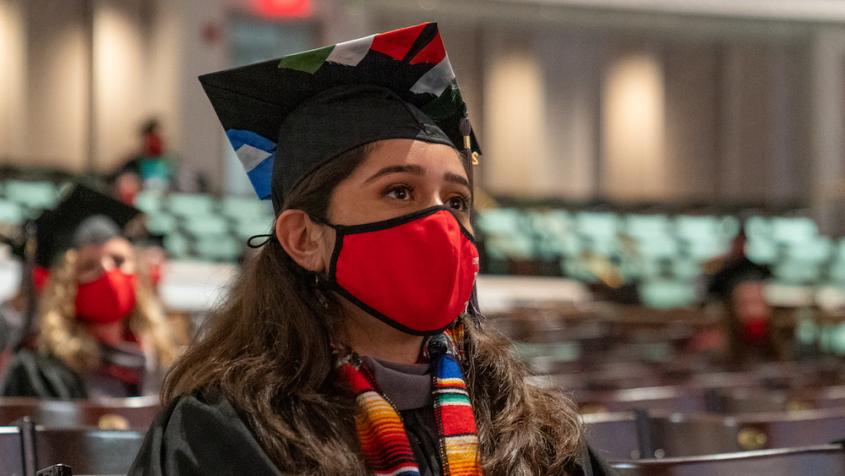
(257, 241)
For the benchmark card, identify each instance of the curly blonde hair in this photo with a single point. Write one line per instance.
(62, 336)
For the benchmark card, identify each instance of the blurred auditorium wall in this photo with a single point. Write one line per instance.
(739, 106)
(84, 75)
(44, 94)
(745, 102)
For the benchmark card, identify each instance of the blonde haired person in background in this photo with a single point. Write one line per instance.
(100, 330)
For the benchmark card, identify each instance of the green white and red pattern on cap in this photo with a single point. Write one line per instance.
(417, 47)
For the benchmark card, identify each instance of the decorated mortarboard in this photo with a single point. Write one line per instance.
(286, 117)
(83, 216)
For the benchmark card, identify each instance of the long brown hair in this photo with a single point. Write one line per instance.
(267, 350)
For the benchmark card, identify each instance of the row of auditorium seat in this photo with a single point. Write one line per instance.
(646, 435)
(677, 412)
(194, 226)
(828, 460)
(664, 254)
(636, 441)
(668, 246)
(747, 417)
(91, 437)
(26, 448)
(550, 337)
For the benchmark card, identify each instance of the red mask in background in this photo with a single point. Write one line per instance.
(108, 299)
(40, 275)
(753, 311)
(415, 272)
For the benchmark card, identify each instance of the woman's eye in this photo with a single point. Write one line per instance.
(399, 193)
(458, 203)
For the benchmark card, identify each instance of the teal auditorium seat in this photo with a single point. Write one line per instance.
(11, 213)
(762, 250)
(246, 208)
(32, 194)
(177, 245)
(199, 226)
(247, 228)
(553, 233)
(647, 226)
(505, 234)
(795, 230)
(598, 226)
(149, 202)
(667, 293)
(161, 223)
(186, 204)
(218, 247)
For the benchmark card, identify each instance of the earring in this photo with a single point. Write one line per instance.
(319, 286)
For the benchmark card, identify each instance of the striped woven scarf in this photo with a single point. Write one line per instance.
(381, 432)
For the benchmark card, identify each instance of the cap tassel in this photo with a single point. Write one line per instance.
(466, 132)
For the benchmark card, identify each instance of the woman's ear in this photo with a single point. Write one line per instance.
(302, 239)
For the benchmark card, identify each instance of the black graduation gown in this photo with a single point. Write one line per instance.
(201, 435)
(34, 374)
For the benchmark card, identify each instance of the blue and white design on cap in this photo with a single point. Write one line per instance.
(256, 154)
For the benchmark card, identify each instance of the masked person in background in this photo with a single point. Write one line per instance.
(99, 330)
(351, 344)
(739, 284)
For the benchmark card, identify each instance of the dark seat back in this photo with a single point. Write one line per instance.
(828, 460)
(136, 412)
(618, 436)
(691, 435)
(791, 429)
(665, 399)
(11, 451)
(87, 451)
(613, 435)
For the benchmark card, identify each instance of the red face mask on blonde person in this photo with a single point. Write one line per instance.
(108, 299)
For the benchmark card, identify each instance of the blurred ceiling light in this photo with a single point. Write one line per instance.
(281, 9)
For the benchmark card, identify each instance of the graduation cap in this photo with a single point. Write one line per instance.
(287, 117)
(82, 217)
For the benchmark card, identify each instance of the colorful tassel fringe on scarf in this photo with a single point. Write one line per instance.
(381, 432)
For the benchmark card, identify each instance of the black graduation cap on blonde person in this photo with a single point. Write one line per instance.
(83, 216)
(286, 117)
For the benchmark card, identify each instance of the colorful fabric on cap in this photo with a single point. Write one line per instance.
(381, 432)
(253, 102)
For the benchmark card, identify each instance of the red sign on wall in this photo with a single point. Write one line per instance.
(283, 8)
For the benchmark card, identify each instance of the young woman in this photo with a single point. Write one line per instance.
(100, 329)
(351, 344)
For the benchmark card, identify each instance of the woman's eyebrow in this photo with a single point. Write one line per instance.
(396, 169)
(455, 178)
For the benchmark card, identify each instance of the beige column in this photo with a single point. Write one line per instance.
(13, 81)
(828, 125)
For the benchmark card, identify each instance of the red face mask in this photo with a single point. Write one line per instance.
(415, 272)
(40, 275)
(106, 300)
